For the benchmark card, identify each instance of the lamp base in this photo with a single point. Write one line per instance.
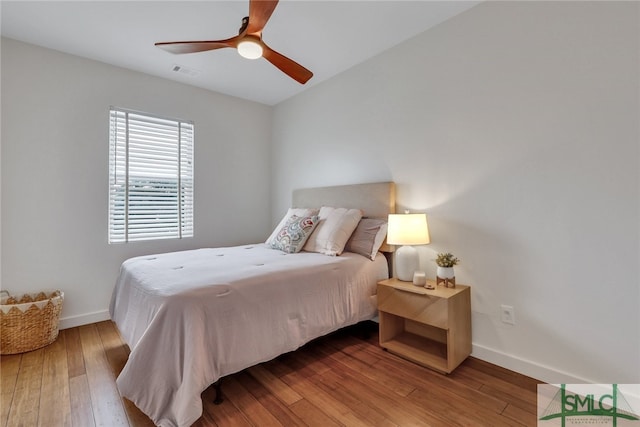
(407, 262)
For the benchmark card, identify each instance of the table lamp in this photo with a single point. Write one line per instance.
(406, 230)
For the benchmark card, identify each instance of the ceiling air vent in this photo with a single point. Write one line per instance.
(189, 72)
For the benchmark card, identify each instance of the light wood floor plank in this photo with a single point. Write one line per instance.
(225, 414)
(500, 386)
(26, 396)
(75, 358)
(359, 404)
(428, 379)
(9, 368)
(333, 408)
(255, 412)
(106, 403)
(117, 354)
(55, 403)
(440, 400)
(10, 364)
(312, 415)
(364, 364)
(311, 361)
(275, 406)
(274, 384)
(114, 348)
(80, 397)
(520, 416)
(28, 383)
(394, 407)
(8, 383)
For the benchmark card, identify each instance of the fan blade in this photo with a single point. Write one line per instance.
(259, 13)
(286, 65)
(197, 46)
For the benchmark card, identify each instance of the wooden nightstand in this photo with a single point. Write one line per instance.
(429, 327)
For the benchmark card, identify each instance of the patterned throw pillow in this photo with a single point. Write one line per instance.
(283, 221)
(293, 235)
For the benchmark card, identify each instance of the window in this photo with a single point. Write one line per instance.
(150, 177)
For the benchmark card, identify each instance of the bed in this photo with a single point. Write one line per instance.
(192, 317)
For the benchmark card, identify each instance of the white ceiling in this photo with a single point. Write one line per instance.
(327, 37)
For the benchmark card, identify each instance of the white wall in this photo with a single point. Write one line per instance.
(55, 166)
(515, 127)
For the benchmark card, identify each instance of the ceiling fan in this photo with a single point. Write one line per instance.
(248, 42)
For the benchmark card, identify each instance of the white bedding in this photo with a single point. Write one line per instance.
(193, 317)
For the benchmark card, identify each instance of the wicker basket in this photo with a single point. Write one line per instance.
(29, 321)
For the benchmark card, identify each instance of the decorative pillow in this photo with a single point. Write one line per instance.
(333, 231)
(292, 237)
(290, 212)
(367, 237)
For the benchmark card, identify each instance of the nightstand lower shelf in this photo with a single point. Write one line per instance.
(414, 347)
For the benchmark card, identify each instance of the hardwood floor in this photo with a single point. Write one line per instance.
(338, 380)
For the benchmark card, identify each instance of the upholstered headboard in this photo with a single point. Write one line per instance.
(376, 200)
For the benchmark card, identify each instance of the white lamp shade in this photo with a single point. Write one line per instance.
(408, 229)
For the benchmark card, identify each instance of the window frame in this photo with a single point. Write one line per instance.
(151, 180)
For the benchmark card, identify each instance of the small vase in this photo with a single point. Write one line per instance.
(445, 275)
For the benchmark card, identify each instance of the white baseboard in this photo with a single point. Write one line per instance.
(83, 319)
(526, 367)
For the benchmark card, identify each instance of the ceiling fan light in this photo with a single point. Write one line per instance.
(249, 49)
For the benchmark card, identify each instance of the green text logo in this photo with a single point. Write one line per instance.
(586, 404)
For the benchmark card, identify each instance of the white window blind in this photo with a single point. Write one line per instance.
(150, 177)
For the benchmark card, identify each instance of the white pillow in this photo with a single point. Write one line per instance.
(300, 212)
(333, 231)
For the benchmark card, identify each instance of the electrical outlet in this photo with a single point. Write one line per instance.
(508, 314)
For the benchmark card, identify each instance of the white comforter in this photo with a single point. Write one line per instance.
(193, 317)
